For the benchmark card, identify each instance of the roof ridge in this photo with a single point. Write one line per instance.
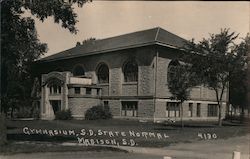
(156, 36)
(136, 38)
(138, 31)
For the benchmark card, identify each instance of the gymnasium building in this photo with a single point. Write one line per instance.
(127, 74)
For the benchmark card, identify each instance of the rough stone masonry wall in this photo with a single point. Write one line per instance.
(117, 90)
(198, 93)
(79, 106)
(115, 60)
(144, 57)
(145, 108)
(160, 110)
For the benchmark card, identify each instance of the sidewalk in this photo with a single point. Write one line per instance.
(213, 149)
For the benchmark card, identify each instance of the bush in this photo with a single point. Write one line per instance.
(97, 112)
(63, 115)
(23, 114)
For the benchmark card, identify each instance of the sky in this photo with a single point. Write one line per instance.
(188, 19)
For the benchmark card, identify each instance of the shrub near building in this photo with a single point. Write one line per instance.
(98, 112)
(63, 115)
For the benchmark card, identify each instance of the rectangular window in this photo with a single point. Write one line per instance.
(51, 90)
(190, 109)
(55, 89)
(59, 90)
(129, 108)
(173, 109)
(88, 91)
(212, 110)
(77, 90)
(106, 105)
(198, 110)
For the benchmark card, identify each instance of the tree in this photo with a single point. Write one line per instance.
(238, 83)
(20, 45)
(238, 90)
(216, 61)
(180, 82)
(86, 41)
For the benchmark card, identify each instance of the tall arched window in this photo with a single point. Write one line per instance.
(78, 71)
(54, 85)
(172, 67)
(130, 71)
(103, 73)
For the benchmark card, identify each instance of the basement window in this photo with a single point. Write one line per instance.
(88, 91)
(77, 90)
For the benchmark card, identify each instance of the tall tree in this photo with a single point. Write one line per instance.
(238, 81)
(20, 45)
(216, 61)
(180, 82)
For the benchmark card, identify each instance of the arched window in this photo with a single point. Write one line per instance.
(78, 71)
(103, 73)
(130, 71)
(55, 86)
(173, 65)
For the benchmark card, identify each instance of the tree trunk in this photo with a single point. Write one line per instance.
(3, 133)
(242, 114)
(11, 113)
(182, 123)
(231, 117)
(219, 118)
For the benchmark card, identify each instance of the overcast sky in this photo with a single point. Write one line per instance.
(102, 19)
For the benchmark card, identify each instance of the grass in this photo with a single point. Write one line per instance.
(31, 147)
(176, 134)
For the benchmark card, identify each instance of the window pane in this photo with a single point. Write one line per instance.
(106, 105)
(88, 90)
(171, 72)
(55, 89)
(212, 110)
(103, 74)
(77, 90)
(59, 89)
(190, 109)
(130, 71)
(173, 109)
(129, 108)
(198, 111)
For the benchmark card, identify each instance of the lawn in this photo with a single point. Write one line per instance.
(192, 131)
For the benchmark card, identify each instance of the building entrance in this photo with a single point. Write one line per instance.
(56, 105)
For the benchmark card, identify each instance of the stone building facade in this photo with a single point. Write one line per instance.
(127, 73)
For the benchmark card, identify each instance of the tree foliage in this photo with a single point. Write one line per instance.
(216, 61)
(180, 83)
(86, 41)
(238, 81)
(20, 45)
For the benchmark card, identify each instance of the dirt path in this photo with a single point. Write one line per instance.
(213, 149)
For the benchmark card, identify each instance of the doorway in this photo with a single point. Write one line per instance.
(56, 105)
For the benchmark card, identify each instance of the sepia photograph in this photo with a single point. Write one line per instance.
(86, 79)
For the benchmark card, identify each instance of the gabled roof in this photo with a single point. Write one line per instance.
(131, 40)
